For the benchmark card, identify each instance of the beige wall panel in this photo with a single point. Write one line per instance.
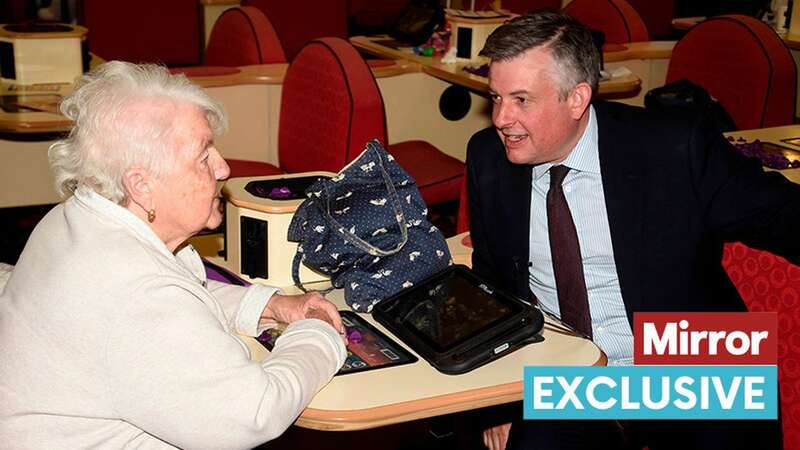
(412, 112)
(25, 174)
(652, 72)
(253, 112)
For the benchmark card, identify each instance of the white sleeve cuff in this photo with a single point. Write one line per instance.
(252, 305)
(319, 326)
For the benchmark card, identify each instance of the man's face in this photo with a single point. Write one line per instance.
(533, 123)
(186, 195)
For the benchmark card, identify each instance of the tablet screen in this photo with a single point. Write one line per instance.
(367, 347)
(449, 310)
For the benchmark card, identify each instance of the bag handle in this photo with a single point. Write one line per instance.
(352, 238)
(296, 274)
(398, 214)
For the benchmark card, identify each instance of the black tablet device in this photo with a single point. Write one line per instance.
(367, 348)
(458, 322)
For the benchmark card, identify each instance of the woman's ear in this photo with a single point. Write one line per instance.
(137, 184)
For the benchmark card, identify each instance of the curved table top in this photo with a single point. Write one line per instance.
(397, 394)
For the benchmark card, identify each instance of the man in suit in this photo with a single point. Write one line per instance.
(599, 210)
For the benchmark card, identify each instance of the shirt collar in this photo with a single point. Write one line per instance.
(106, 208)
(187, 257)
(584, 157)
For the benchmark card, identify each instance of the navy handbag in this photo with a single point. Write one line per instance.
(367, 228)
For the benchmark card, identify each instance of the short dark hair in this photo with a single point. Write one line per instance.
(569, 41)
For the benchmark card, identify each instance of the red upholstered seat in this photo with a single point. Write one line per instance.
(615, 18)
(242, 37)
(331, 106)
(298, 22)
(155, 31)
(770, 283)
(438, 175)
(742, 63)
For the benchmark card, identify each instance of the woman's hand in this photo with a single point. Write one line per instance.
(496, 438)
(312, 305)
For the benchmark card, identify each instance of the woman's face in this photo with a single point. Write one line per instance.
(186, 199)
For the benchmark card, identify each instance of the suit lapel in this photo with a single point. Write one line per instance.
(518, 217)
(623, 189)
(520, 210)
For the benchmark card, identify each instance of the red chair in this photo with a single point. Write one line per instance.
(615, 18)
(742, 63)
(242, 37)
(770, 283)
(156, 31)
(298, 22)
(331, 106)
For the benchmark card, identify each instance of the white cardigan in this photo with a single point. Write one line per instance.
(108, 340)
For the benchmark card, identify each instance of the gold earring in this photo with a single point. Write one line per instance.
(151, 215)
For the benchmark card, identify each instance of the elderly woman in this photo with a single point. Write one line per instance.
(110, 334)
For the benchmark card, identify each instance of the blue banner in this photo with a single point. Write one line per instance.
(651, 392)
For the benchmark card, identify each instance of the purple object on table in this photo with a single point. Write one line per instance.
(354, 336)
(755, 149)
(481, 71)
(280, 192)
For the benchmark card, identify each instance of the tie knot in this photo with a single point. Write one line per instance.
(557, 174)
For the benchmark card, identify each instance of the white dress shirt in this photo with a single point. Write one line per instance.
(583, 189)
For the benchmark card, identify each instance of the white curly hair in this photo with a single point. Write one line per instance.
(110, 135)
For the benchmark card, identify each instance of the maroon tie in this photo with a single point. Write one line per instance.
(566, 252)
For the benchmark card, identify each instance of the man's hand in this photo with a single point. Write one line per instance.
(496, 438)
(312, 305)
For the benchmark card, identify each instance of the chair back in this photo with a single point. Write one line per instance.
(241, 37)
(330, 107)
(770, 283)
(742, 63)
(156, 31)
(298, 22)
(615, 18)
